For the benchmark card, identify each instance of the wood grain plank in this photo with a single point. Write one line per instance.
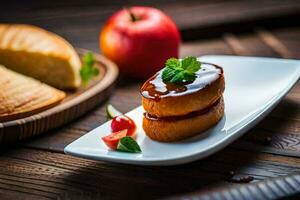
(100, 177)
(254, 46)
(233, 42)
(55, 175)
(9, 194)
(205, 18)
(276, 188)
(289, 37)
(205, 47)
(269, 39)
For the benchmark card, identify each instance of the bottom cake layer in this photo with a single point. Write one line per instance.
(168, 130)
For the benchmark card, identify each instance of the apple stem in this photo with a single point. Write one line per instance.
(133, 17)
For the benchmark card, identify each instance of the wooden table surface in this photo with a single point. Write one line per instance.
(38, 168)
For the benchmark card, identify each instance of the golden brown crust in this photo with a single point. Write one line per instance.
(40, 54)
(21, 96)
(174, 130)
(182, 105)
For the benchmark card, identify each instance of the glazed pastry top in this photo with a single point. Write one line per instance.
(155, 88)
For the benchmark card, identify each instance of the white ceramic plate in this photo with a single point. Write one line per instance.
(253, 87)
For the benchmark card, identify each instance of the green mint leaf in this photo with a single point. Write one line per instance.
(179, 72)
(168, 73)
(183, 77)
(189, 77)
(178, 78)
(186, 62)
(173, 63)
(88, 70)
(128, 144)
(88, 59)
(191, 64)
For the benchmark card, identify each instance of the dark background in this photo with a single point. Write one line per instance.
(80, 21)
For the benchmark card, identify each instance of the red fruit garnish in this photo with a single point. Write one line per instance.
(122, 122)
(112, 139)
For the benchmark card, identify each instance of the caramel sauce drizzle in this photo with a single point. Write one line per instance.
(155, 88)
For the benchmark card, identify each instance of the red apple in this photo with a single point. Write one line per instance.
(140, 40)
